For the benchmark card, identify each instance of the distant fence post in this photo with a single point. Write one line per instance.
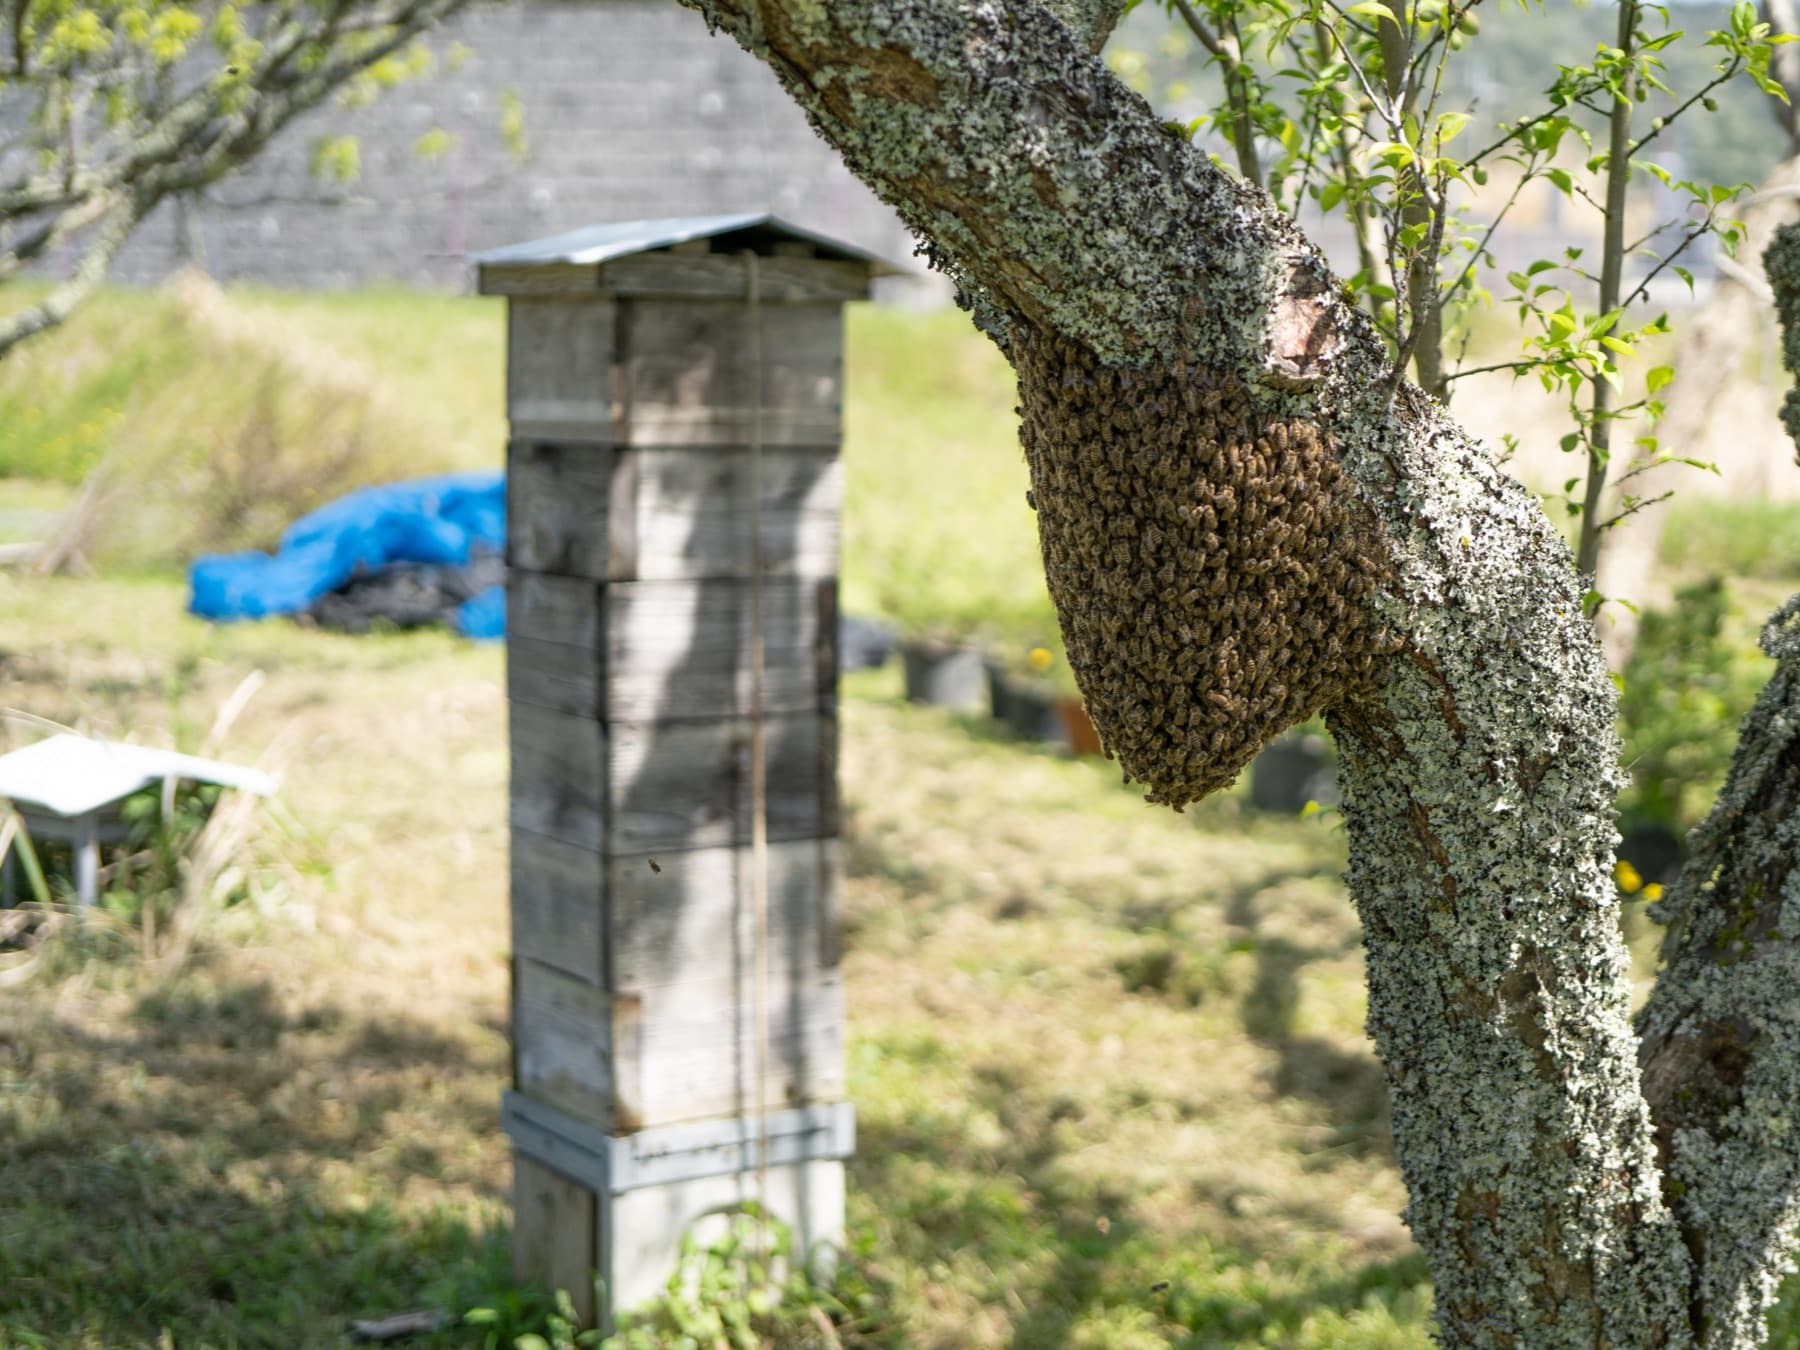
(678, 1048)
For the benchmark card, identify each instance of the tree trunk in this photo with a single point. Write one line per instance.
(1721, 1044)
(1721, 1032)
(1243, 521)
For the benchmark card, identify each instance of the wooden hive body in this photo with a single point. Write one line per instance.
(637, 386)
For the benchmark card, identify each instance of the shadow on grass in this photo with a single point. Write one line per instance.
(1067, 1246)
(1350, 1084)
(231, 1172)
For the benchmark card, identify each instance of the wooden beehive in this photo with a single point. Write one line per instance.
(659, 374)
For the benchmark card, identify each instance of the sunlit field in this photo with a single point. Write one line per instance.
(1111, 1082)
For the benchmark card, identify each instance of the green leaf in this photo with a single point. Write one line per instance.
(434, 144)
(1450, 126)
(1659, 377)
(1370, 10)
(337, 159)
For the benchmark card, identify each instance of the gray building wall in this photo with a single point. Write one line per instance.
(631, 110)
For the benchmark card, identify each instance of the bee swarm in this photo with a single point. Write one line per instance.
(1209, 566)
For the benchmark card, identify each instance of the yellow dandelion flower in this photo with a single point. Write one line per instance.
(1653, 892)
(1627, 877)
(1039, 659)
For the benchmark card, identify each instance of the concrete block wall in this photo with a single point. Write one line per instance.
(631, 108)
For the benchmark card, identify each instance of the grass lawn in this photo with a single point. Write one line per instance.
(1111, 1082)
(1107, 1060)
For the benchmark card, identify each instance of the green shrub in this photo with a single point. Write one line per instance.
(1691, 679)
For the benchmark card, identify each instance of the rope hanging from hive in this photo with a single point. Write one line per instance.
(759, 769)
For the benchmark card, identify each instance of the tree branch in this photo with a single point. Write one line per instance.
(188, 143)
(109, 237)
(1237, 94)
(1090, 20)
(1612, 266)
(1721, 1032)
(1240, 527)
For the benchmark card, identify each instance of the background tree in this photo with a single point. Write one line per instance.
(1369, 118)
(109, 109)
(1248, 515)
(1712, 344)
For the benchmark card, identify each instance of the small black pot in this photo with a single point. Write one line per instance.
(1290, 772)
(1032, 712)
(945, 676)
(999, 691)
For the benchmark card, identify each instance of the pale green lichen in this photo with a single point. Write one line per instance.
(1480, 773)
(1479, 786)
(1781, 264)
(1721, 1032)
(1090, 20)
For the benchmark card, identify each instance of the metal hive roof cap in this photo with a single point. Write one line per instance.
(603, 243)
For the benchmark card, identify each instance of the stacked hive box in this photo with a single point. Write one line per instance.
(640, 1023)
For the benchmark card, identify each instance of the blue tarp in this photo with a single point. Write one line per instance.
(431, 520)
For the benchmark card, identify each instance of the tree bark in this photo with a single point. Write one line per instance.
(1721, 1032)
(1217, 463)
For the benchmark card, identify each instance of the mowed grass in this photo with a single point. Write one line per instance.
(1107, 1060)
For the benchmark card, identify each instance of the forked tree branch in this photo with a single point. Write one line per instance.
(1185, 356)
(108, 237)
(1721, 1032)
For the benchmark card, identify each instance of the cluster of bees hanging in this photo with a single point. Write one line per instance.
(1209, 567)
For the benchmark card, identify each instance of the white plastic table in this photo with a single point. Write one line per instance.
(69, 788)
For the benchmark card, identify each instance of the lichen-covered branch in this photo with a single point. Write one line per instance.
(1781, 265)
(1036, 178)
(1090, 20)
(1721, 1032)
(115, 225)
(78, 174)
(1241, 525)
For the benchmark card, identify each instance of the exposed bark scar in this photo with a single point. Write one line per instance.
(1303, 330)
